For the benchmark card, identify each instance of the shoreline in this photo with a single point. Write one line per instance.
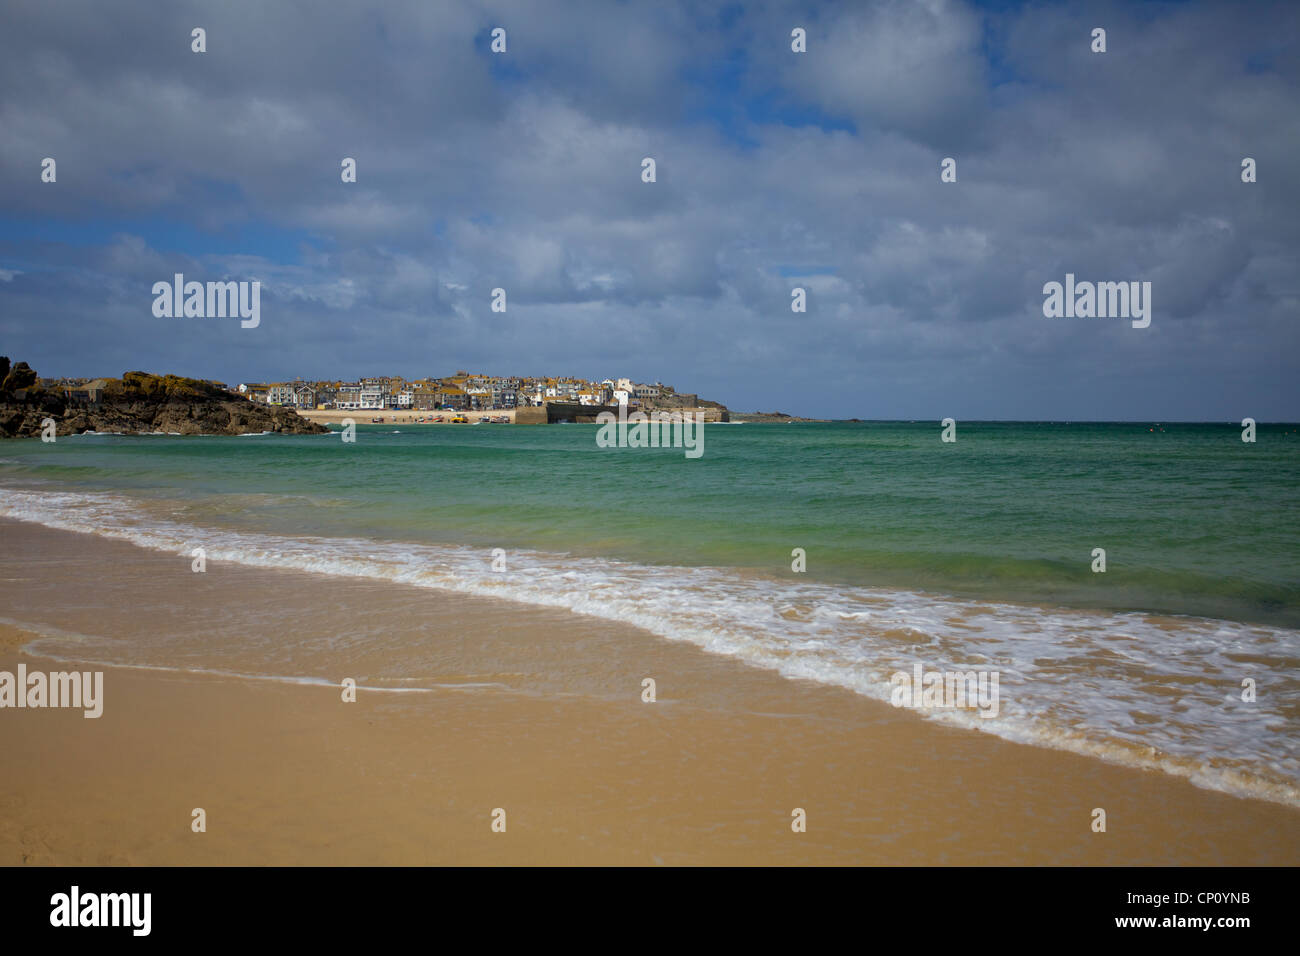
(539, 712)
(334, 416)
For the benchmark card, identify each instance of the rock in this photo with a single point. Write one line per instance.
(20, 376)
(140, 402)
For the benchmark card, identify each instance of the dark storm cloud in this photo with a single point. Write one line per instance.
(774, 170)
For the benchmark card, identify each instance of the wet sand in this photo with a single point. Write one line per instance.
(532, 710)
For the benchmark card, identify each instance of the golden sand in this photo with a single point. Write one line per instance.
(334, 416)
(708, 774)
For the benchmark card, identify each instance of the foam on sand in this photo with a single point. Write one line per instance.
(1147, 691)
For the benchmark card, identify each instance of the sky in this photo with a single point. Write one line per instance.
(775, 170)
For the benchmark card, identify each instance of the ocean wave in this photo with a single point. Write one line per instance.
(1150, 691)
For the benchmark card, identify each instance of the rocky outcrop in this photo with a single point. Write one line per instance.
(137, 403)
(668, 401)
(21, 375)
(761, 417)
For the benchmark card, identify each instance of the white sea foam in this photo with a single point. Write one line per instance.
(1154, 692)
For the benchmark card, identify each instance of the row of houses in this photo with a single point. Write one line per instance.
(462, 392)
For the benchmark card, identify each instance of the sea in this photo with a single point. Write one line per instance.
(841, 553)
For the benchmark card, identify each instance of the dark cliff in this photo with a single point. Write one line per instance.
(137, 402)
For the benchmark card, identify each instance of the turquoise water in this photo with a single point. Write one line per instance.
(1192, 519)
(975, 554)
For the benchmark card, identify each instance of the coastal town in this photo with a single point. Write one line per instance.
(467, 397)
(462, 391)
(461, 398)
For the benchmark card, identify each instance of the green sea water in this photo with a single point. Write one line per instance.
(1192, 519)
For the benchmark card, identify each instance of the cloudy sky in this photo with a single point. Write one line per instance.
(775, 170)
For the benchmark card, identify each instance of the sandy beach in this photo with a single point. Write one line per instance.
(536, 711)
(333, 416)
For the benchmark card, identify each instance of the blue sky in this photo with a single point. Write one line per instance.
(523, 171)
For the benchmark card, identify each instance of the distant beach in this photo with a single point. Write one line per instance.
(335, 416)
